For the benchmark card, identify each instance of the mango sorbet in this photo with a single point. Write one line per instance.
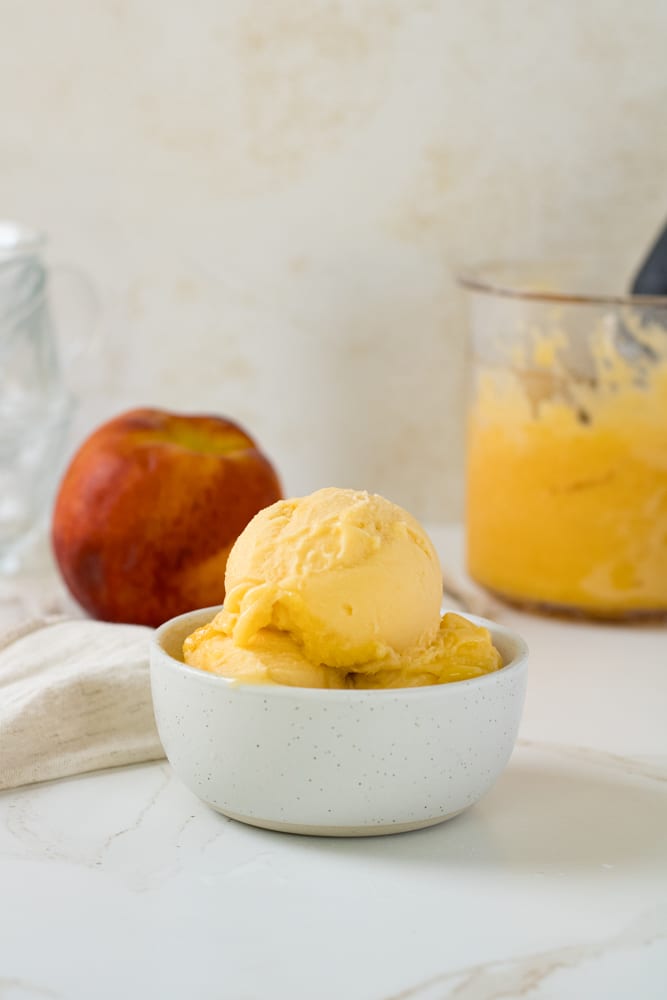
(339, 589)
(567, 474)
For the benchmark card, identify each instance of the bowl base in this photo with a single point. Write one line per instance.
(307, 830)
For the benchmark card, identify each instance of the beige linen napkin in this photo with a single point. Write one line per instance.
(74, 696)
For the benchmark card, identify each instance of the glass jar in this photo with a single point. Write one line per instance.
(566, 481)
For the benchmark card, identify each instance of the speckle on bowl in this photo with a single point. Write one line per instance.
(335, 762)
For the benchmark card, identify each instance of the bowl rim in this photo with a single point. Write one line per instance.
(518, 664)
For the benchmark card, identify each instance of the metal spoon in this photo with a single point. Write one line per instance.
(651, 278)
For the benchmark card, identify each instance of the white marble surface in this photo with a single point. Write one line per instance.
(122, 884)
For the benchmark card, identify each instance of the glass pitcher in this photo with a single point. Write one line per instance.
(36, 403)
(566, 482)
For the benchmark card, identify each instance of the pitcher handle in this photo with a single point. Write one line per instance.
(79, 335)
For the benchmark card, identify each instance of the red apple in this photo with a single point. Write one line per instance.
(149, 508)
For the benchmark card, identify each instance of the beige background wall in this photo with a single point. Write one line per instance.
(271, 196)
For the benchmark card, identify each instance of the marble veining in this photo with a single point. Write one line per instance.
(521, 976)
(36, 828)
(654, 769)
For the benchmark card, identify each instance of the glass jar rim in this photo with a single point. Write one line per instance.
(486, 279)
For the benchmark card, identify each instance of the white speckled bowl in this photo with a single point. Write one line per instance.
(335, 763)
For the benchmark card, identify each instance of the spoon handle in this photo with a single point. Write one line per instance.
(651, 278)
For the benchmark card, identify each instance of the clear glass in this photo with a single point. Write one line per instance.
(35, 402)
(566, 471)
